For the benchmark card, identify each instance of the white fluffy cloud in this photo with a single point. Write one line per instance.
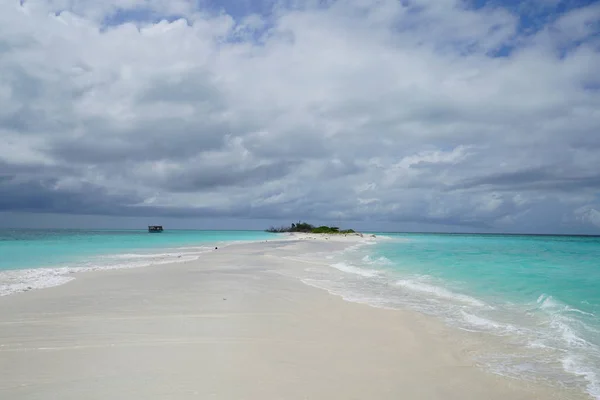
(430, 112)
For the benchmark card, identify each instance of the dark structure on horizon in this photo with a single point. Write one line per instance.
(155, 228)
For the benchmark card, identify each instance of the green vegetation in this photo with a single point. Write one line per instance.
(308, 228)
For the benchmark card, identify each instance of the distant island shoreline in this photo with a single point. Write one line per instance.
(304, 227)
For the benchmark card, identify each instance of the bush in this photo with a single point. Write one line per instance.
(326, 229)
(305, 227)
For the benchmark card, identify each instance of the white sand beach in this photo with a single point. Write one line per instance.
(233, 325)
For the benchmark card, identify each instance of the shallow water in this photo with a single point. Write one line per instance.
(538, 295)
(38, 258)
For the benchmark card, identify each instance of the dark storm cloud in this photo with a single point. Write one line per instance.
(539, 179)
(210, 177)
(38, 170)
(447, 221)
(165, 139)
(42, 196)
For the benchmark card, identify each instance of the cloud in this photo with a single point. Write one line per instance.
(588, 215)
(422, 112)
(535, 179)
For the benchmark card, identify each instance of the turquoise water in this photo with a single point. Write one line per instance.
(537, 297)
(506, 268)
(31, 258)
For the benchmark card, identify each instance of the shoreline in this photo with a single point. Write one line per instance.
(235, 313)
(20, 280)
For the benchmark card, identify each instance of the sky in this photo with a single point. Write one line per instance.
(384, 115)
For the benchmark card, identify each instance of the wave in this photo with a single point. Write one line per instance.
(23, 280)
(489, 325)
(547, 302)
(568, 332)
(578, 366)
(18, 281)
(131, 256)
(440, 292)
(355, 270)
(544, 340)
(377, 260)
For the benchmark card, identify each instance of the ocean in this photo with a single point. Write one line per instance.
(38, 258)
(537, 298)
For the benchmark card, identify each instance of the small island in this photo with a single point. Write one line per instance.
(304, 227)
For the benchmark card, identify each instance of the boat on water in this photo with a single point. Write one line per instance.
(155, 228)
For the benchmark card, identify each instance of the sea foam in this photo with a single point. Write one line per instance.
(439, 292)
(544, 339)
(22, 280)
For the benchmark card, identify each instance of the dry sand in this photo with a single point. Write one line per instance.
(231, 325)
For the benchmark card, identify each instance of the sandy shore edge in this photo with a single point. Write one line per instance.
(233, 325)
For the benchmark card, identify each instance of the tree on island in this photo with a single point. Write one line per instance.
(305, 227)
